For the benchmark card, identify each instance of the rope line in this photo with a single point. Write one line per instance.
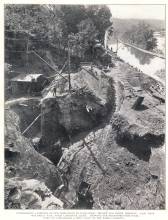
(31, 124)
(47, 64)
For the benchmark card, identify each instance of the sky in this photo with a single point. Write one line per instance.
(138, 11)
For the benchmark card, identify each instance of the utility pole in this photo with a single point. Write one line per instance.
(92, 51)
(69, 67)
(117, 46)
(27, 55)
(27, 46)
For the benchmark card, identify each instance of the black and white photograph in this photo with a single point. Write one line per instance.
(84, 107)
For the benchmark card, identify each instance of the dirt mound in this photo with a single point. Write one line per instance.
(95, 81)
(68, 116)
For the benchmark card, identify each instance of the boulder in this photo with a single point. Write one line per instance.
(22, 160)
(29, 194)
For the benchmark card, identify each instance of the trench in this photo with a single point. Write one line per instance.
(52, 130)
(68, 126)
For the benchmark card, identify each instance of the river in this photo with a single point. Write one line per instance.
(148, 64)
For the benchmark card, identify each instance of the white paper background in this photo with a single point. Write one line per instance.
(11, 214)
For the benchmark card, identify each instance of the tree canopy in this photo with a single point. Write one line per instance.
(59, 23)
(141, 35)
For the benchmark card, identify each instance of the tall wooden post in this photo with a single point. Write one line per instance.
(92, 57)
(69, 66)
(117, 46)
(27, 55)
(41, 122)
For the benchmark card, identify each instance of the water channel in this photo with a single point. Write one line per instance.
(148, 64)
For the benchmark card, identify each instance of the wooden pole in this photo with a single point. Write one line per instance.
(47, 63)
(41, 122)
(27, 56)
(69, 67)
(117, 46)
(95, 159)
(31, 124)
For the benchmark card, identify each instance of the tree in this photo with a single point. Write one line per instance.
(57, 24)
(72, 15)
(84, 39)
(101, 17)
(33, 19)
(142, 36)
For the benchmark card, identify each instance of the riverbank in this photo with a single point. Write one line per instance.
(142, 50)
(145, 61)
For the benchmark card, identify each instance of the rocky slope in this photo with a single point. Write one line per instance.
(23, 161)
(69, 114)
(119, 160)
(97, 134)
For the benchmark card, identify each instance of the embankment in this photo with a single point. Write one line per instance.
(88, 105)
(117, 159)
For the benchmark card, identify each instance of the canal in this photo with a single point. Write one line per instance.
(148, 64)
